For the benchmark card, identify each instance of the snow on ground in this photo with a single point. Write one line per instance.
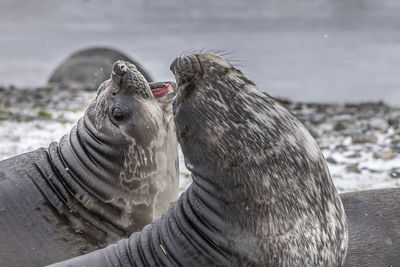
(360, 142)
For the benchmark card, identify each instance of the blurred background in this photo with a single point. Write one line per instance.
(318, 54)
(305, 50)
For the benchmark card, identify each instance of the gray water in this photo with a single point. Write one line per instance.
(304, 50)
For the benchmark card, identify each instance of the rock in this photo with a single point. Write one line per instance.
(331, 160)
(354, 155)
(363, 138)
(322, 108)
(353, 168)
(341, 148)
(391, 122)
(344, 117)
(395, 173)
(371, 170)
(317, 118)
(395, 141)
(379, 124)
(388, 155)
(339, 126)
(88, 68)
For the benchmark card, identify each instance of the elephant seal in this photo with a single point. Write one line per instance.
(113, 174)
(261, 194)
(374, 227)
(88, 68)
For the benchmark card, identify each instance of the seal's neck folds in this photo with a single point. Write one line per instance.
(88, 165)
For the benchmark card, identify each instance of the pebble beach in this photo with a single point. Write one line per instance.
(361, 142)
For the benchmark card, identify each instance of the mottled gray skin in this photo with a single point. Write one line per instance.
(261, 194)
(374, 227)
(108, 178)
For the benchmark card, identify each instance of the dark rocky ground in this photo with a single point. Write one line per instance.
(361, 142)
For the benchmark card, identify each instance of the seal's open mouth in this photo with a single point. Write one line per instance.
(161, 89)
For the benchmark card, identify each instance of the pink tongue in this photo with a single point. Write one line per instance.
(163, 91)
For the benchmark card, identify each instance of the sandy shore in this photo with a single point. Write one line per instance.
(361, 142)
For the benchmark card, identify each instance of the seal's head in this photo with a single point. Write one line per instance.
(132, 138)
(133, 107)
(214, 103)
(277, 198)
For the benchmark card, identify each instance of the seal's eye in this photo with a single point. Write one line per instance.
(118, 114)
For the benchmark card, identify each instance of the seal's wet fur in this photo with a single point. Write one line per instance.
(283, 207)
(261, 194)
(113, 174)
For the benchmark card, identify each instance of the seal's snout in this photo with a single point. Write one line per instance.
(187, 71)
(118, 70)
(185, 68)
(119, 67)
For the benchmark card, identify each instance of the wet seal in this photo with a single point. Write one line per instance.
(374, 227)
(114, 173)
(261, 194)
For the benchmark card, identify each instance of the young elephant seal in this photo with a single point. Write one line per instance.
(113, 174)
(261, 194)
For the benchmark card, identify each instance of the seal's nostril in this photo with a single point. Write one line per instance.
(119, 67)
(186, 61)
